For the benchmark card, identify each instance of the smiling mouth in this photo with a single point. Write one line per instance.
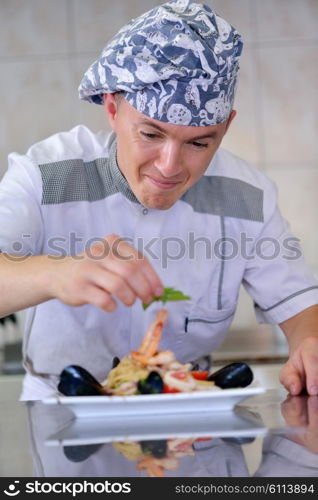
(162, 184)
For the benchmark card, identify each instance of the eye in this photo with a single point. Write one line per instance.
(199, 144)
(149, 135)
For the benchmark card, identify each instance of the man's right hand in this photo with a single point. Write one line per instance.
(107, 270)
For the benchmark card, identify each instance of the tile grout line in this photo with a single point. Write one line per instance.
(257, 94)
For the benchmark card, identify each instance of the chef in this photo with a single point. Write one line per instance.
(92, 225)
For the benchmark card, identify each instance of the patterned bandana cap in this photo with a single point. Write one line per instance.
(177, 63)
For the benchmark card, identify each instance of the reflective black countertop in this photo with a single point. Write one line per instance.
(268, 435)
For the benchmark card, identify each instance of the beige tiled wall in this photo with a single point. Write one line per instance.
(46, 46)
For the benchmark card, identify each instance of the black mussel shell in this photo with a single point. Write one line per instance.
(239, 440)
(157, 449)
(80, 453)
(10, 317)
(153, 384)
(115, 362)
(232, 375)
(76, 381)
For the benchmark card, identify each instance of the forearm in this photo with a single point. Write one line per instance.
(78, 280)
(300, 327)
(23, 283)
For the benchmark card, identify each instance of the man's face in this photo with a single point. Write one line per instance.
(160, 161)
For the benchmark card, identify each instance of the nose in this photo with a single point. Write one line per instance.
(169, 160)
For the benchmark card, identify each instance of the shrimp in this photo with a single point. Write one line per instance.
(162, 358)
(151, 467)
(155, 467)
(149, 345)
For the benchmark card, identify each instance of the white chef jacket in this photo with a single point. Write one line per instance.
(67, 192)
(282, 457)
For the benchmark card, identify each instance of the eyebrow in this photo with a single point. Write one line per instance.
(198, 137)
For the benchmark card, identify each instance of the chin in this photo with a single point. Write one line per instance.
(157, 203)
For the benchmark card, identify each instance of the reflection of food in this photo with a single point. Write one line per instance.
(131, 450)
(151, 371)
(154, 457)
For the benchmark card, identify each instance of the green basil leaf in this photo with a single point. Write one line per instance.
(169, 294)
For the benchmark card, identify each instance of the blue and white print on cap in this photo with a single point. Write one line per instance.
(177, 63)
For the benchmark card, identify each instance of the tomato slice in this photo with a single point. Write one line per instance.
(200, 374)
(169, 390)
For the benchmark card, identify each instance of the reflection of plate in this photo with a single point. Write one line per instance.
(154, 404)
(137, 428)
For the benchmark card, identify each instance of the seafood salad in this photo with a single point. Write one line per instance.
(152, 371)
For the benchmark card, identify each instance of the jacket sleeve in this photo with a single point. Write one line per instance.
(21, 228)
(276, 276)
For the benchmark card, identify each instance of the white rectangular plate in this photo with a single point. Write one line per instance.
(85, 431)
(154, 404)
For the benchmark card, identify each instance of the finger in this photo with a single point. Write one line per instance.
(100, 298)
(291, 379)
(294, 411)
(114, 284)
(126, 253)
(156, 284)
(310, 362)
(132, 275)
(116, 256)
(313, 412)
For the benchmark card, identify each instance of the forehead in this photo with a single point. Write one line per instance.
(182, 131)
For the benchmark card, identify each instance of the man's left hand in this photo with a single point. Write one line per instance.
(300, 373)
(301, 370)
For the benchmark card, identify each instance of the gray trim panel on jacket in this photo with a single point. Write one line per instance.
(77, 180)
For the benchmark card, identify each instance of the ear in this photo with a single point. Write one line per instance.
(230, 119)
(111, 108)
